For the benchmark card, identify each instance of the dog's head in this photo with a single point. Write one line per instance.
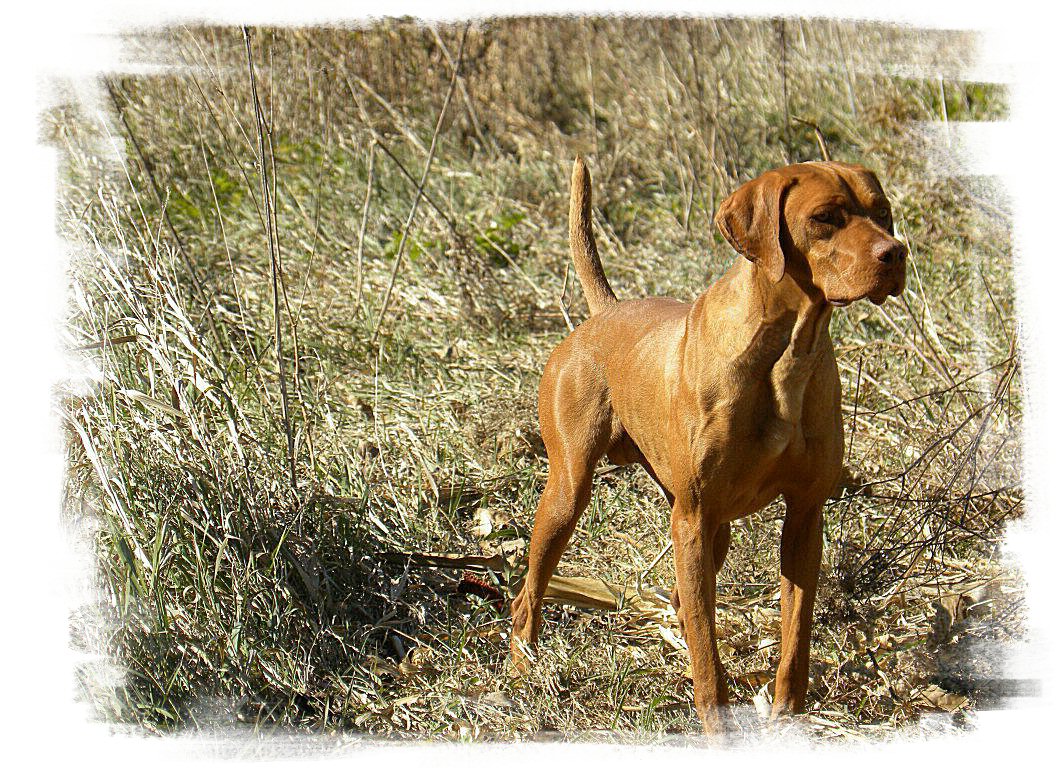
(827, 224)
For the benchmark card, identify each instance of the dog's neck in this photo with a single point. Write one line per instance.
(768, 318)
(809, 338)
(777, 330)
(788, 304)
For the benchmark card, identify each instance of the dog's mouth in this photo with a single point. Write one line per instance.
(896, 290)
(876, 296)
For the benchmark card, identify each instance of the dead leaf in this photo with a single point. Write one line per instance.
(950, 610)
(583, 592)
(596, 594)
(379, 667)
(671, 638)
(755, 679)
(763, 702)
(496, 699)
(512, 549)
(416, 662)
(490, 631)
(956, 606)
(457, 495)
(482, 523)
(443, 560)
(934, 696)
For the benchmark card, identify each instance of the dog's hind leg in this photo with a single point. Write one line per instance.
(576, 435)
(566, 496)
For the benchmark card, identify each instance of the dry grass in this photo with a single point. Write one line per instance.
(265, 427)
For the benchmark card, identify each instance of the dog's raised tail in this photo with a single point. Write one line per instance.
(589, 271)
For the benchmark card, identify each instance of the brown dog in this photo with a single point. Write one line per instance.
(727, 402)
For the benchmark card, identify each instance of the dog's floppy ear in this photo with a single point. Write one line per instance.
(749, 219)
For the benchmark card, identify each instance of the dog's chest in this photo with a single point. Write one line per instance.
(792, 436)
(775, 435)
(783, 415)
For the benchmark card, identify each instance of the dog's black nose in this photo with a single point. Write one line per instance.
(891, 252)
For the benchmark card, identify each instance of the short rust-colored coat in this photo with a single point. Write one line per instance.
(728, 402)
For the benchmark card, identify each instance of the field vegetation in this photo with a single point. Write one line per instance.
(317, 273)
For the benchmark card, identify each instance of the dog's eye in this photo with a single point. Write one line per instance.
(832, 217)
(883, 218)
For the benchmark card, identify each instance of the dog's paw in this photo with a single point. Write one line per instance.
(521, 658)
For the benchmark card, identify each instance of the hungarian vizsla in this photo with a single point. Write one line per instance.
(727, 402)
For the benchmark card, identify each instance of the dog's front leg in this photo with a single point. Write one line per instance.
(800, 550)
(693, 534)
